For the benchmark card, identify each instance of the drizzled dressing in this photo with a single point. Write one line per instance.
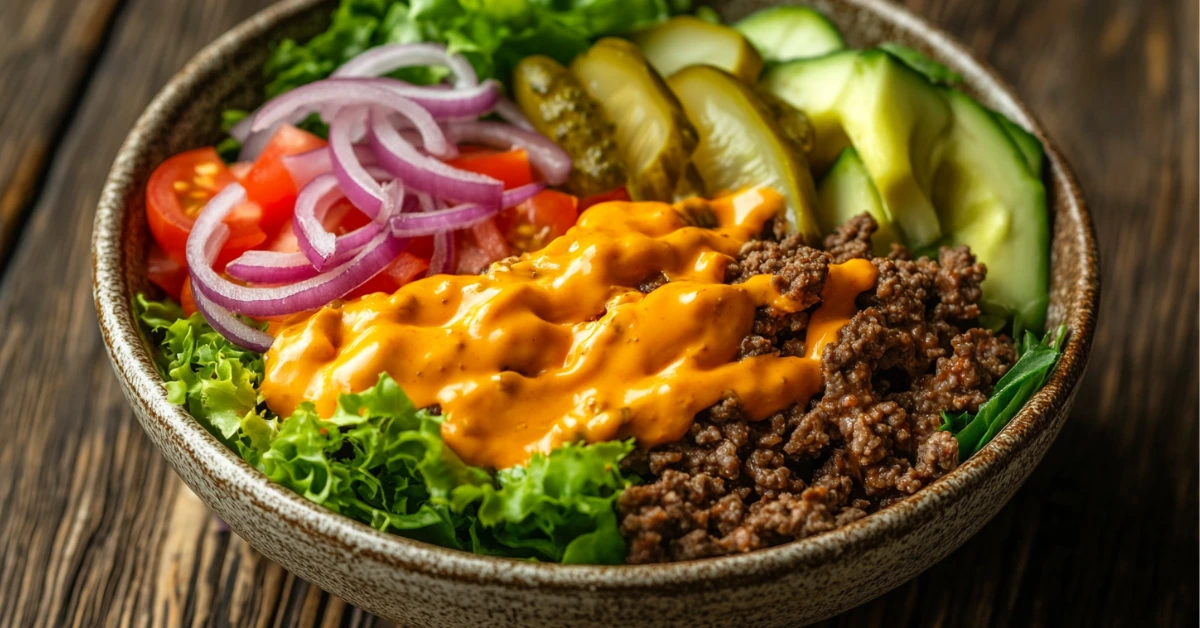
(560, 345)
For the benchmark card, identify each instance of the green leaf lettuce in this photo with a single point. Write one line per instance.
(380, 460)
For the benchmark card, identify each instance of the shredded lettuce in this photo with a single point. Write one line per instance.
(380, 460)
(1036, 362)
(492, 34)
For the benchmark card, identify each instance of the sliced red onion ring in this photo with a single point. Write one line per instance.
(305, 167)
(329, 96)
(209, 234)
(520, 194)
(332, 95)
(276, 267)
(317, 244)
(459, 217)
(443, 254)
(241, 130)
(426, 174)
(254, 144)
(229, 326)
(389, 58)
(511, 113)
(551, 161)
(359, 186)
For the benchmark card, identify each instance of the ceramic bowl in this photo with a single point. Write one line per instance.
(422, 585)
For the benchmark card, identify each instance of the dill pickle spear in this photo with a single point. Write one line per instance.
(653, 135)
(559, 108)
(742, 146)
(685, 40)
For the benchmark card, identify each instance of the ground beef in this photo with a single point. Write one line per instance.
(871, 438)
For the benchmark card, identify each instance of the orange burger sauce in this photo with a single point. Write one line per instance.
(561, 346)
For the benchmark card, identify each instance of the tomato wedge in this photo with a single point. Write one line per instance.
(177, 191)
(268, 181)
(512, 167)
(534, 223)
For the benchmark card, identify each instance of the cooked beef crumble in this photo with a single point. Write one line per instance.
(912, 351)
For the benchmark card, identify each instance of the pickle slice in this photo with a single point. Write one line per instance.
(742, 146)
(685, 40)
(559, 108)
(653, 135)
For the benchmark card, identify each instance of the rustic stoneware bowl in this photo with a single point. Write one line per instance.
(418, 584)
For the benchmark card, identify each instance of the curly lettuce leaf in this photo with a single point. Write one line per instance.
(492, 34)
(214, 379)
(380, 460)
(1036, 362)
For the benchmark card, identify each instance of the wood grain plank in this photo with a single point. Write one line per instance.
(46, 51)
(97, 530)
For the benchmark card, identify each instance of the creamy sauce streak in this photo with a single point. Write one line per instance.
(561, 346)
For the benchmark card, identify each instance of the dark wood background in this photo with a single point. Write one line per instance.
(96, 529)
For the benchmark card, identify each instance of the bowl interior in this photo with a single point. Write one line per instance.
(227, 75)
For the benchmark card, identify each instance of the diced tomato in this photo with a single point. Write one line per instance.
(177, 191)
(187, 299)
(616, 194)
(165, 272)
(268, 182)
(480, 245)
(534, 223)
(511, 167)
(406, 268)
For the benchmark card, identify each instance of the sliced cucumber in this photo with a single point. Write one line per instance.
(988, 198)
(1030, 146)
(684, 40)
(785, 33)
(815, 86)
(847, 191)
(741, 145)
(892, 116)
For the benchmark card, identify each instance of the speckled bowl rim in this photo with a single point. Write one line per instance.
(134, 366)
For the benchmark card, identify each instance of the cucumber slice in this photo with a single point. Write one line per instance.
(815, 86)
(847, 191)
(892, 116)
(1028, 143)
(684, 40)
(785, 33)
(988, 198)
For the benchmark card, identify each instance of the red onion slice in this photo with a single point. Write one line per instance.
(229, 326)
(459, 217)
(330, 96)
(389, 58)
(254, 144)
(209, 235)
(426, 174)
(551, 161)
(305, 167)
(359, 186)
(511, 113)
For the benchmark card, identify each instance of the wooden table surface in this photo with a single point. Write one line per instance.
(96, 529)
